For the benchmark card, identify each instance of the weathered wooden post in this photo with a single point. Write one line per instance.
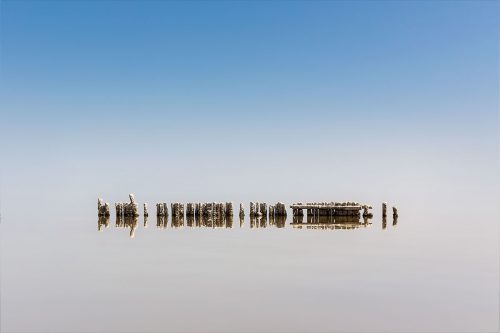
(263, 209)
(134, 207)
(119, 208)
(177, 209)
(242, 211)
(271, 211)
(280, 209)
(130, 209)
(161, 209)
(102, 208)
(229, 209)
(197, 209)
(146, 209)
(106, 209)
(258, 211)
(190, 209)
(252, 209)
(384, 209)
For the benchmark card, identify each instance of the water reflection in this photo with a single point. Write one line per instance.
(177, 221)
(264, 222)
(330, 222)
(102, 222)
(127, 222)
(277, 221)
(256, 222)
(161, 222)
(215, 221)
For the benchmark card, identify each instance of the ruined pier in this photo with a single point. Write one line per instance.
(339, 215)
(346, 208)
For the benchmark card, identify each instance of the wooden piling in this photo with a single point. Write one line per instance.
(102, 208)
(242, 211)
(263, 209)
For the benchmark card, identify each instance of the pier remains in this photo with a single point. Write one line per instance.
(127, 208)
(242, 211)
(346, 208)
(102, 208)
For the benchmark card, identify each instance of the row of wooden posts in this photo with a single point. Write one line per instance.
(257, 209)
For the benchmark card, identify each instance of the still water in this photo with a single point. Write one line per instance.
(431, 270)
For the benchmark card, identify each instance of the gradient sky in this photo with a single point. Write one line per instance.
(242, 101)
(209, 100)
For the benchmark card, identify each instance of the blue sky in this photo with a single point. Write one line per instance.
(161, 86)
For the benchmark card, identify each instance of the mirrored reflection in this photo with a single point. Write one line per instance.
(264, 222)
(161, 222)
(102, 222)
(216, 221)
(384, 222)
(177, 221)
(330, 222)
(127, 222)
(395, 221)
(190, 220)
(258, 222)
(277, 221)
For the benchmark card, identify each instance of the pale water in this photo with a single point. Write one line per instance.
(436, 270)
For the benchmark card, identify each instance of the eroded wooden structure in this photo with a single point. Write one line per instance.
(346, 208)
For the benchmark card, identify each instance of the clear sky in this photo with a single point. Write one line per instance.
(272, 99)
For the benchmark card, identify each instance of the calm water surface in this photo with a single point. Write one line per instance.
(435, 270)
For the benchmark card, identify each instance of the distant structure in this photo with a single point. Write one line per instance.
(336, 215)
(346, 208)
